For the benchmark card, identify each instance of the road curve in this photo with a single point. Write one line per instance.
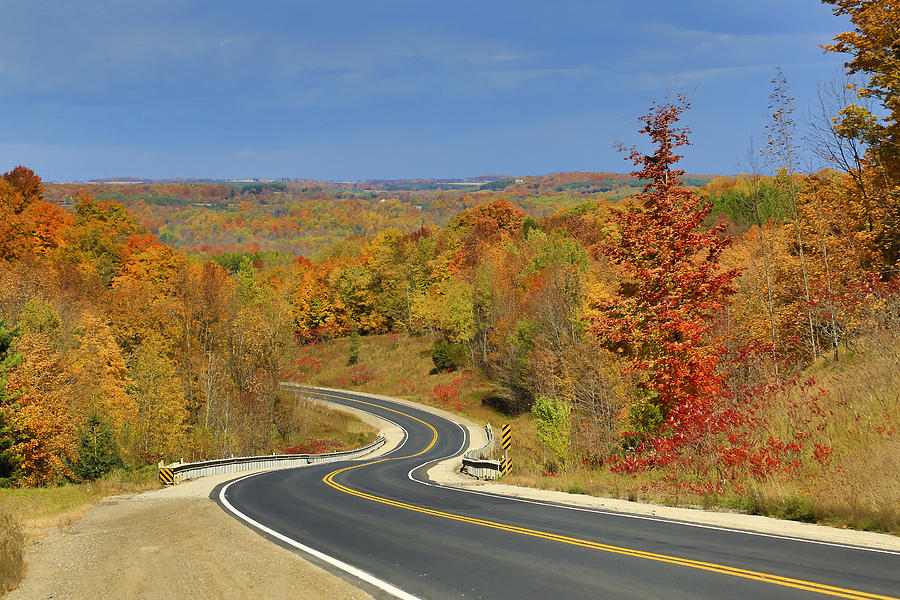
(382, 525)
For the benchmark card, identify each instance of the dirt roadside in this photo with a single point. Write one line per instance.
(176, 543)
(168, 547)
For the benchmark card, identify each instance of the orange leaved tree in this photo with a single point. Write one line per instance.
(671, 283)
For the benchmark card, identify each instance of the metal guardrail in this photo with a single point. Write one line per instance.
(178, 472)
(487, 449)
(474, 462)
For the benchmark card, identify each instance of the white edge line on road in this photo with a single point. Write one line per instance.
(634, 516)
(355, 572)
(400, 445)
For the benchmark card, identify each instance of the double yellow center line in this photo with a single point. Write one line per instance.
(800, 584)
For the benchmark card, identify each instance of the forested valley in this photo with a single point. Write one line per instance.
(307, 217)
(704, 339)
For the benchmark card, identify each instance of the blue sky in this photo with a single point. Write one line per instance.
(350, 90)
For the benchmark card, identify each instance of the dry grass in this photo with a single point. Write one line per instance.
(41, 509)
(860, 486)
(314, 422)
(12, 550)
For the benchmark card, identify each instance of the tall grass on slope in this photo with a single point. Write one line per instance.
(862, 396)
(317, 428)
(393, 364)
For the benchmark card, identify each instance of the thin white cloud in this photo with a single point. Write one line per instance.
(505, 57)
(657, 81)
(674, 45)
(518, 77)
(233, 40)
(695, 36)
(674, 79)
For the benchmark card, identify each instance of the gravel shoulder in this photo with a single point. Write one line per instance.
(153, 545)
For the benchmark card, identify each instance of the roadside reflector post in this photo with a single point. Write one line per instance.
(166, 476)
(505, 442)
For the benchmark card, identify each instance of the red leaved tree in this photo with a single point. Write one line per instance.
(671, 283)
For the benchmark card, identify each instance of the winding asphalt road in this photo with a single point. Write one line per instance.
(382, 525)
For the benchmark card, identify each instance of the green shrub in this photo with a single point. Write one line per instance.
(551, 416)
(448, 356)
(644, 416)
(796, 508)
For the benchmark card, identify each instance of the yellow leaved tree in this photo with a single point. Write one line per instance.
(100, 377)
(160, 422)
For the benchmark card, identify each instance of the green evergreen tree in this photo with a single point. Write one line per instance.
(8, 359)
(353, 354)
(9, 459)
(98, 450)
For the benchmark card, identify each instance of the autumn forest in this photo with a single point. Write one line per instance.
(713, 338)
